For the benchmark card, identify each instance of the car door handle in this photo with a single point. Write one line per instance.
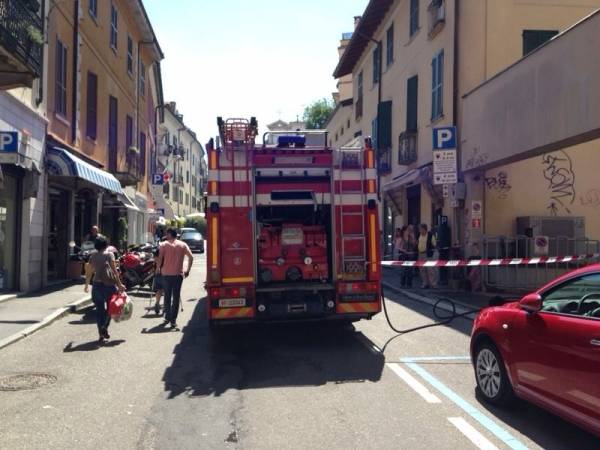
(595, 342)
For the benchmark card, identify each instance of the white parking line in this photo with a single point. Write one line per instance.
(472, 434)
(414, 383)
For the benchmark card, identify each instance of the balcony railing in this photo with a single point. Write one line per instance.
(130, 173)
(407, 148)
(21, 40)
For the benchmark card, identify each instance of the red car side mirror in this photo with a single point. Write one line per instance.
(531, 303)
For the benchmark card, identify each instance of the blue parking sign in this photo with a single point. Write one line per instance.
(157, 178)
(9, 141)
(444, 138)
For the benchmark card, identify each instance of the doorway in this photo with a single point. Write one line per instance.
(413, 205)
(58, 233)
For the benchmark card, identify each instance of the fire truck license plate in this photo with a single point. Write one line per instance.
(231, 302)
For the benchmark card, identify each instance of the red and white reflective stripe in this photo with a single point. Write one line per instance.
(492, 262)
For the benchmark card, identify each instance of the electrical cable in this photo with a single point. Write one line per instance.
(443, 319)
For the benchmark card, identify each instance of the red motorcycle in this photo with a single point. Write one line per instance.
(137, 266)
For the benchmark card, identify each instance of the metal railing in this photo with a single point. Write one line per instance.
(407, 148)
(532, 275)
(21, 33)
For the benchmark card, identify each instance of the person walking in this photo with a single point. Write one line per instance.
(426, 244)
(170, 266)
(407, 252)
(103, 269)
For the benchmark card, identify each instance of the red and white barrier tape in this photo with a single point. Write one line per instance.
(491, 262)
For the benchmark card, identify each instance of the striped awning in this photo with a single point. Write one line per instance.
(59, 162)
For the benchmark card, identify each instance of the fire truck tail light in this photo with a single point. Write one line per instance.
(215, 292)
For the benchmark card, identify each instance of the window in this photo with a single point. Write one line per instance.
(384, 126)
(187, 176)
(437, 86)
(348, 124)
(579, 296)
(129, 55)
(60, 102)
(113, 133)
(91, 125)
(180, 196)
(114, 26)
(187, 199)
(128, 133)
(142, 80)
(414, 16)
(376, 65)
(532, 39)
(389, 54)
(93, 8)
(412, 102)
(142, 154)
(359, 96)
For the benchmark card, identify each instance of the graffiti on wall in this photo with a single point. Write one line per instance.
(499, 184)
(557, 169)
(591, 198)
(477, 159)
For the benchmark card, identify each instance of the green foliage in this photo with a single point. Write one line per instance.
(199, 223)
(122, 231)
(316, 114)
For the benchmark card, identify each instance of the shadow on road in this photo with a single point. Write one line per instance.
(91, 346)
(264, 356)
(545, 429)
(87, 317)
(21, 322)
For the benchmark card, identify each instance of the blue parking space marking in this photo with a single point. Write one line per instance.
(477, 415)
(436, 358)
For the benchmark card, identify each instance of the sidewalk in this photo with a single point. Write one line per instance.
(25, 314)
(468, 300)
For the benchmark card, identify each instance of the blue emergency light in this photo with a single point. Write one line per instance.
(288, 141)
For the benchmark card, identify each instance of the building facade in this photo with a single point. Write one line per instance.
(181, 157)
(531, 137)
(22, 139)
(411, 62)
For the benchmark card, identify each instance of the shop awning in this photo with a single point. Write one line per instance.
(59, 162)
(127, 202)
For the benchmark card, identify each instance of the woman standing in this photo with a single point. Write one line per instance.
(103, 269)
(406, 253)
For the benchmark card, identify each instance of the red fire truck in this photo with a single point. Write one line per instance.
(292, 227)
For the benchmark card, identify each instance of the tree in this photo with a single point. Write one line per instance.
(316, 114)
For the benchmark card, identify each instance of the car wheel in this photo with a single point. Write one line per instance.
(493, 383)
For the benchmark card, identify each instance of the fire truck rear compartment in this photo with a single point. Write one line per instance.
(294, 261)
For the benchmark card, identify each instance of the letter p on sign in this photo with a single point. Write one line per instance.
(444, 138)
(9, 141)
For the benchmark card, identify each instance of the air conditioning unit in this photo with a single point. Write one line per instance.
(566, 235)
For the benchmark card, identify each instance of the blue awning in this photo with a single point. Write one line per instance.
(60, 162)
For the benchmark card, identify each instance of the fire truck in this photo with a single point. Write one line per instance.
(292, 227)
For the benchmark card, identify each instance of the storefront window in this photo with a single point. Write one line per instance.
(8, 225)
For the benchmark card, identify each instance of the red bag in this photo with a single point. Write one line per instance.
(116, 304)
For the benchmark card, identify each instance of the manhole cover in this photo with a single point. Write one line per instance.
(24, 381)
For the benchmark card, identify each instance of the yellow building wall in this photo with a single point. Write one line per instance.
(562, 183)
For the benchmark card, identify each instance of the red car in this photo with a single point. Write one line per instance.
(545, 348)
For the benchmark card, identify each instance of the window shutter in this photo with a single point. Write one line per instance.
(384, 126)
(412, 102)
(92, 105)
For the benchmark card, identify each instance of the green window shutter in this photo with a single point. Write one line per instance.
(384, 125)
(412, 96)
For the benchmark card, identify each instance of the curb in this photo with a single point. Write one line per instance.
(461, 308)
(7, 297)
(77, 305)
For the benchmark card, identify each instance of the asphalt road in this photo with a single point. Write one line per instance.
(269, 387)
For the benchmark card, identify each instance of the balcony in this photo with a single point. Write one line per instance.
(130, 173)
(21, 41)
(437, 16)
(407, 148)
(384, 161)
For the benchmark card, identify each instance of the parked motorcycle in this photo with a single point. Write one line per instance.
(137, 266)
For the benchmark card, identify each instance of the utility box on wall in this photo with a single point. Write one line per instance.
(566, 235)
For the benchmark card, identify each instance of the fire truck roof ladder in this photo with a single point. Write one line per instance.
(352, 161)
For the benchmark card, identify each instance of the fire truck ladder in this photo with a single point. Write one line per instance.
(352, 162)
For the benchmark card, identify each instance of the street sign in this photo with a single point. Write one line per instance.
(445, 178)
(9, 141)
(446, 190)
(476, 209)
(157, 178)
(541, 245)
(444, 138)
(160, 211)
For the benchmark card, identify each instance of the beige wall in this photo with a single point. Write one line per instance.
(563, 183)
(339, 133)
(550, 96)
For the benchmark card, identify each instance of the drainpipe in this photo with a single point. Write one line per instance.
(455, 104)
(40, 94)
(75, 70)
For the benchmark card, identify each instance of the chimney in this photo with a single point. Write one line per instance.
(173, 107)
(356, 21)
